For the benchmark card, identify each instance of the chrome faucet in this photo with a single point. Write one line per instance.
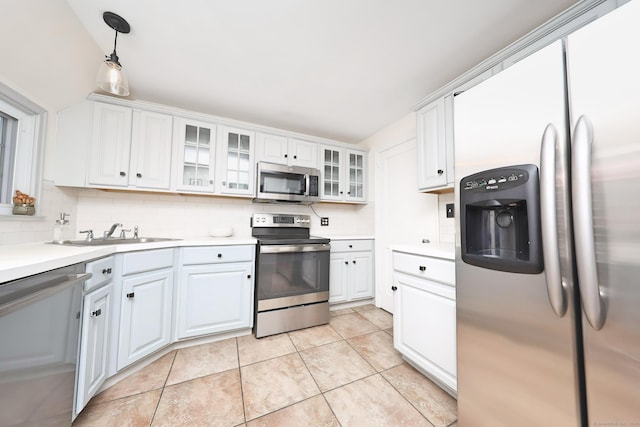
(108, 234)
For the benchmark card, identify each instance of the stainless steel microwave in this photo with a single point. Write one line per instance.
(280, 183)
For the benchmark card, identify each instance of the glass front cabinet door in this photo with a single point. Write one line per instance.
(343, 174)
(196, 156)
(355, 176)
(237, 165)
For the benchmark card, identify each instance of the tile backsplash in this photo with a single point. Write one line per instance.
(188, 216)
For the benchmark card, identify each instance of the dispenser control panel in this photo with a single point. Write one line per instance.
(496, 179)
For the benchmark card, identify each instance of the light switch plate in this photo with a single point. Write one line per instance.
(449, 210)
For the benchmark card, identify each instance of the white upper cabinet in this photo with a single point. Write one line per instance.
(195, 156)
(236, 161)
(150, 165)
(342, 174)
(110, 145)
(129, 148)
(286, 151)
(435, 145)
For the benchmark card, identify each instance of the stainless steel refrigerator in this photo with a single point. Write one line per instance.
(547, 158)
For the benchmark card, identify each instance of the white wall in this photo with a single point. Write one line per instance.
(49, 58)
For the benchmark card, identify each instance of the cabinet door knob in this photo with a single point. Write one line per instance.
(248, 276)
(440, 171)
(295, 157)
(131, 295)
(346, 263)
(394, 288)
(422, 268)
(106, 270)
(286, 155)
(138, 175)
(350, 246)
(354, 261)
(123, 174)
(341, 192)
(96, 313)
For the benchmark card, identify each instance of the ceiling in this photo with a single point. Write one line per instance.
(340, 69)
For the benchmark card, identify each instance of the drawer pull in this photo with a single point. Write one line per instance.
(350, 246)
(106, 270)
(123, 174)
(96, 313)
(131, 295)
(219, 255)
(422, 268)
(394, 288)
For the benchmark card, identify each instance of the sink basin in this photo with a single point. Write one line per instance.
(116, 241)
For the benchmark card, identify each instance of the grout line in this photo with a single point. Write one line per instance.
(163, 386)
(244, 412)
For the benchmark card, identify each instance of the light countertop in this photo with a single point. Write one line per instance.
(23, 260)
(427, 249)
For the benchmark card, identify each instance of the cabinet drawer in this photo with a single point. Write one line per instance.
(351, 245)
(217, 254)
(102, 272)
(429, 268)
(137, 262)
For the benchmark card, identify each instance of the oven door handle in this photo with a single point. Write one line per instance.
(277, 249)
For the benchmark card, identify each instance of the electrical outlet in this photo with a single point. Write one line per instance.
(449, 210)
(324, 221)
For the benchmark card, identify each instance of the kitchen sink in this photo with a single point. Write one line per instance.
(116, 241)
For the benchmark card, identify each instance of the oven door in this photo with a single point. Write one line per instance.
(292, 274)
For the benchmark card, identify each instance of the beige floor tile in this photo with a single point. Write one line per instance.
(273, 384)
(203, 360)
(435, 404)
(364, 307)
(132, 411)
(313, 337)
(336, 364)
(378, 317)
(252, 349)
(377, 349)
(214, 400)
(150, 377)
(389, 331)
(351, 325)
(310, 412)
(373, 402)
(341, 311)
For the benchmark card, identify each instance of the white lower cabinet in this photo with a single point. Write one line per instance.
(92, 366)
(424, 320)
(351, 270)
(215, 292)
(146, 304)
(97, 309)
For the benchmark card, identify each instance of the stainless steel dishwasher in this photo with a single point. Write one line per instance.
(39, 330)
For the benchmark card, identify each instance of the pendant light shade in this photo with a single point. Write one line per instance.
(111, 77)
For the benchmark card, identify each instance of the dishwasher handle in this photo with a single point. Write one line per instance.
(45, 290)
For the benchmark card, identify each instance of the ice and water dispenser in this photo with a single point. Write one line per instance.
(500, 219)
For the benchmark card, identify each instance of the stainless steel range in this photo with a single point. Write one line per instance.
(292, 274)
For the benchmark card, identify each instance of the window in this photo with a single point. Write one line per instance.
(21, 142)
(8, 132)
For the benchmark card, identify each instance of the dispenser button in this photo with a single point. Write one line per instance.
(513, 178)
(491, 181)
(502, 179)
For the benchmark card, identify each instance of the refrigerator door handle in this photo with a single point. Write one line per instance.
(549, 220)
(592, 299)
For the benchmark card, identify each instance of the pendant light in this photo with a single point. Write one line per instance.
(111, 76)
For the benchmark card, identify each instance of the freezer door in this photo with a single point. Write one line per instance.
(516, 356)
(604, 81)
